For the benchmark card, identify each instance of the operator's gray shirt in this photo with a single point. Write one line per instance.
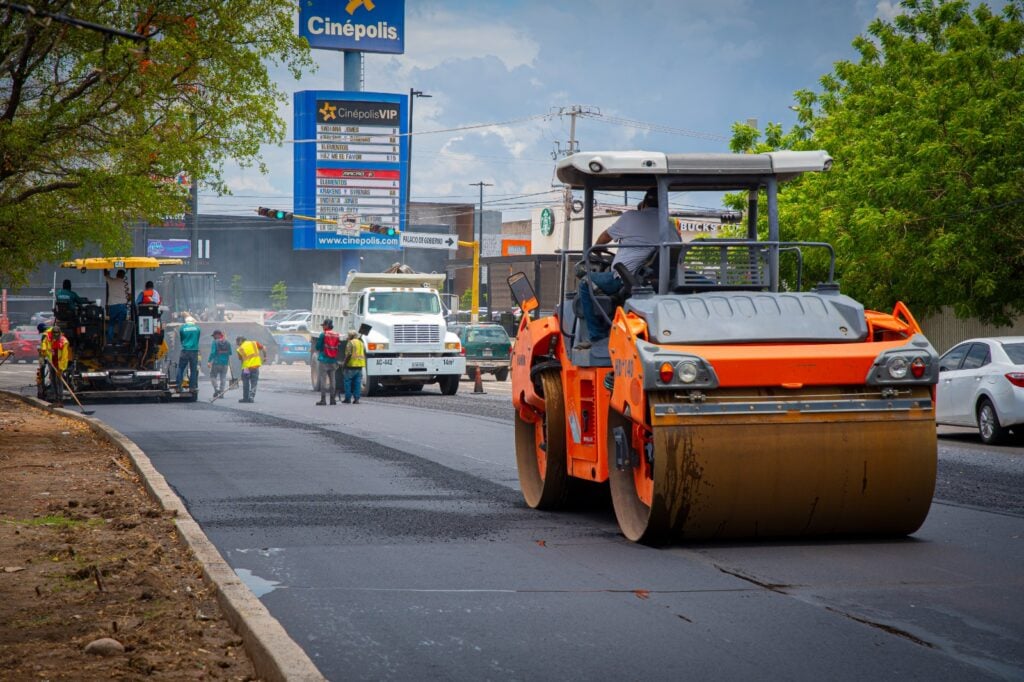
(636, 228)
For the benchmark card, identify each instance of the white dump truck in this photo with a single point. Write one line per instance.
(401, 318)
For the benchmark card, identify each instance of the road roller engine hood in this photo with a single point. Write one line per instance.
(775, 321)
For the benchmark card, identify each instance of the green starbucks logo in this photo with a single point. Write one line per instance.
(547, 222)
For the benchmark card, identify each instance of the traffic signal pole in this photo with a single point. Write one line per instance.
(474, 300)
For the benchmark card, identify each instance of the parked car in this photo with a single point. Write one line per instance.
(44, 316)
(278, 317)
(292, 348)
(981, 384)
(486, 346)
(25, 345)
(296, 323)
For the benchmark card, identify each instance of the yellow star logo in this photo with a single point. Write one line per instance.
(327, 111)
(353, 5)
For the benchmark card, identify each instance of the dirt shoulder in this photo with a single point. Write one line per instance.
(86, 555)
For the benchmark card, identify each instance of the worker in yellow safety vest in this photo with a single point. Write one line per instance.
(55, 351)
(252, 354)
(355, 361)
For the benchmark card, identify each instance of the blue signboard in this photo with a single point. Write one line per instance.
(356, 25)
(169, 248)
(351, 152)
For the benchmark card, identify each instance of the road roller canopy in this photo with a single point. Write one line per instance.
(638, 170)
(120, 263)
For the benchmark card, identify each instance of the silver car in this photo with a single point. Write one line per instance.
(981, 383)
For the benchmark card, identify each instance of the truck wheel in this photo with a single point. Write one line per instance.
(371, 387)
(501, 374)
(449, 384)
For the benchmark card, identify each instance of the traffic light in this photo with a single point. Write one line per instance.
(274, 213)
(388, 230)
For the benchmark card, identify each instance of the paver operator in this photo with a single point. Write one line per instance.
(55, 350)
(355, 361)
(220, 360)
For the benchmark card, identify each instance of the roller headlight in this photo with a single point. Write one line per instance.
(687, 372)
(897, 367)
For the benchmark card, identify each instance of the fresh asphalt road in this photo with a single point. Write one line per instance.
(390, 540)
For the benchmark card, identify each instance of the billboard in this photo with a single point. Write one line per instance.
(169, 248)
(355, 25)
(351, 156)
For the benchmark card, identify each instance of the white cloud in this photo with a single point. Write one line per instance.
(888, 9)
(441, 36)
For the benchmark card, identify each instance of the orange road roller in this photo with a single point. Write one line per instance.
(717, 396)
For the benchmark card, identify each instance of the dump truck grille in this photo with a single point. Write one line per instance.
(417, 333)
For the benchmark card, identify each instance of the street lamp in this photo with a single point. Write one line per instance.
(480, 236)
(413, 94)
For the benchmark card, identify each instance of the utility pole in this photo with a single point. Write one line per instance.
(475, 312)
(194, 197)
(572, 112)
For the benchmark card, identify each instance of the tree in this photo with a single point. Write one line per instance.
(236, 289)
(279, 296)
(924, 201)
(95, 126)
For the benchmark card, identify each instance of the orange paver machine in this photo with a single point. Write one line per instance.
(727, 402)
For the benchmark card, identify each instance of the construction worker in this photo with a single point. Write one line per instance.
(355, 361)
(148, 296)
(55, 351)
(66, 295)
(328, 345)
(252, 354)
(188, 338)
(117, 302)
(220, 359)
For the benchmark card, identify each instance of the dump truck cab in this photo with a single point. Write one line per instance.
(128, 362)
(729, 400)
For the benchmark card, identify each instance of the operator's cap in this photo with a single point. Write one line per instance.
(329, 323)
(217, 333)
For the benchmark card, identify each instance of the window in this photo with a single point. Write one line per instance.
(978, 356)
(1015, 351)
(953, 358)
(411, 302)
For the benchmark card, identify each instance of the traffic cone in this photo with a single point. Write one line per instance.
(478, 386)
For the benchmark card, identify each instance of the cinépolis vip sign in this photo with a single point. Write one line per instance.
(351, 152)
(356, 25)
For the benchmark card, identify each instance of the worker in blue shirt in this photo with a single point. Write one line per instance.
(188, 337)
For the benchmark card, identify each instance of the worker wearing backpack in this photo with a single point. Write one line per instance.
(328, 345)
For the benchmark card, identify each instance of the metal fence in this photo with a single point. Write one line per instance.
(945, 330)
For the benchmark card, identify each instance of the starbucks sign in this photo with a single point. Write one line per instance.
(547, 222)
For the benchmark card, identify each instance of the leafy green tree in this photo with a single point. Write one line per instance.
(924, 201)
(279, 296)
(466, 300)
(95, 126)
(236, 289)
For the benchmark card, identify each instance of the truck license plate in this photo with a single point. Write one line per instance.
(419, 365)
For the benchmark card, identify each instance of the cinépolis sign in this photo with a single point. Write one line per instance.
(356, 25)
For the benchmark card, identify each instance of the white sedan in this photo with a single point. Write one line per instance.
(981, 383)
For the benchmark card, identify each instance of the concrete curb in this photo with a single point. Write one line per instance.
(274, 654)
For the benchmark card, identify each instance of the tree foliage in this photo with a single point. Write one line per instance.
(279, 295)
(925, 200)
(93, 126)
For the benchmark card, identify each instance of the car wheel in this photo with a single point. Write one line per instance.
(501, 374)
(988, 423)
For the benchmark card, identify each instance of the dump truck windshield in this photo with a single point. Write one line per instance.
(415, 302)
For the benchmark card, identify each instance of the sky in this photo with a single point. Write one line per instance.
(664, 75)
